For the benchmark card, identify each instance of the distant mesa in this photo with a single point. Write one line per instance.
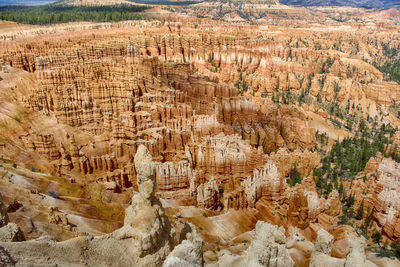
(260, 2)
(118, 2)
(380, 4)
(94, 2)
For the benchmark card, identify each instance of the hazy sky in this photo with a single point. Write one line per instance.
(24, 2)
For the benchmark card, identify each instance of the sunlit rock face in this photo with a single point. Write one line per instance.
(145, 239)
(386, 197)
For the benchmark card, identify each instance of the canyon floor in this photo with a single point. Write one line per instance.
(269, 131)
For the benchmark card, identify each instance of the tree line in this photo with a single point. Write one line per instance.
(51, 14)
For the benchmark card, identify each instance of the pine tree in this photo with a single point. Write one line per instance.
(350, 200)
(377, 237)
(341, 189)
(360, 211)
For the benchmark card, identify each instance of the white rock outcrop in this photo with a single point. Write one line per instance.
(357, 255)
(268, 247)
(321, 256)
(324, 242)
(187, 254)
(11, 233)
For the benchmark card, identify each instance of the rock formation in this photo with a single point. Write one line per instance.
(322, 254)
(145, 239)
(266, 183)
(386, 197)
(208, 195)
(188, 253)
(304, 162)
(298, 210)
(57, 217)
(324, 242)
(323, 248)
(373, 164)
(357, 256)
(9, 232)
(3, 213)
(227, 111)
(268, 247)
(156, 229)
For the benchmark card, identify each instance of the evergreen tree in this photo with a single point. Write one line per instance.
(377, 237)
(360, 211)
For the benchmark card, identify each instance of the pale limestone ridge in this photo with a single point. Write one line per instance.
(207, 195)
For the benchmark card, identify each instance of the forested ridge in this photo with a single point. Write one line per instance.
(50, 14)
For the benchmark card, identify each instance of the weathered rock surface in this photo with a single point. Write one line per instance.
(357, 256)
(300, 248)
(268, 247)
(208, 195)
(386, 197)
(373, 163)
(3, 213)
(57, 217)
(11, 233)
(144, 240)
(323, 249)
(322, 254)
(324, 242)
(188, 253)
(79, 100)
(304, 162)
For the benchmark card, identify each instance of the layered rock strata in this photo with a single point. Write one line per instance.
(145, 239)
